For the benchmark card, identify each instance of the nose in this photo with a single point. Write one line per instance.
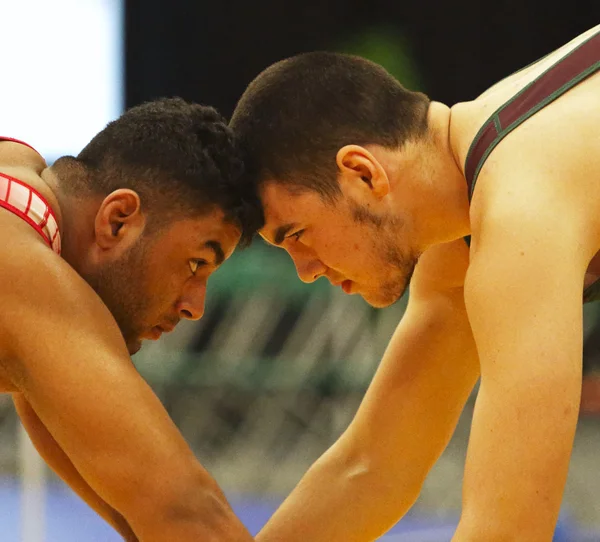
(191, 304)
(309, 269)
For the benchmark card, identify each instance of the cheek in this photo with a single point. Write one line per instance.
(361, 259)
(163, 284)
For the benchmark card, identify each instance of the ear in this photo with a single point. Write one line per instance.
(119, 219)
(360, 168)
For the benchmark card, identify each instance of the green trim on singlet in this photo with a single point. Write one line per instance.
(496, 120)
(540, 105)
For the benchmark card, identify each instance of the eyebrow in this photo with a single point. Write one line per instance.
(281, 232)
(216, 247)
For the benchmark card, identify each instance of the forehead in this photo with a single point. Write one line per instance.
(283, 204)
(287, 209)
(196, 232)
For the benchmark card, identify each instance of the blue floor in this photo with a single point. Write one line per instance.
(69, 520)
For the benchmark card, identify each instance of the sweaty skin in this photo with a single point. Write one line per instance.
(64, 359)
(508, 310)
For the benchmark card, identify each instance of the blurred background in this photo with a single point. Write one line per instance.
(275, 370)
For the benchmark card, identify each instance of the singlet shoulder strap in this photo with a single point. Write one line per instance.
(28, 204)
(567, 72)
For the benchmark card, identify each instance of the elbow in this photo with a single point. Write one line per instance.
(190, 508)
(377, 474)
(403, 485)
(211, 512)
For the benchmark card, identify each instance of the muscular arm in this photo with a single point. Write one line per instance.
(64, 352)
(54, 456)
(373, 474)
(523, 294)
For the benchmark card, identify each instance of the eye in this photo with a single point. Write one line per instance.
(296, 236)
(196, 264)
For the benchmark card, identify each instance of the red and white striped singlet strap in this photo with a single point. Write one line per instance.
(28, 204)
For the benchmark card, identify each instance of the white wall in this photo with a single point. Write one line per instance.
(60, 71)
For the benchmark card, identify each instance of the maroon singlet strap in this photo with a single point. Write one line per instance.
(567, 72)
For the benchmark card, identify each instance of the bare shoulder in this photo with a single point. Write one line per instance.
(48, 308)
(14, 155)
(578, 108)
(26, 165)
(545, 172)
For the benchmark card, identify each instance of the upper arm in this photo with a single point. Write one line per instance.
(523, 289)
(523, 294)
(427, 372)
(64, 352)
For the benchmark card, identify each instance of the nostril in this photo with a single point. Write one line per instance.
(187, 314)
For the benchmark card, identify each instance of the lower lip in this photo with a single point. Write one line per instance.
(347, 286)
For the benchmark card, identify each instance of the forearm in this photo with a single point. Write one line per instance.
(103, 509)
(518, 460)
(344, 500)
(189, 508)
(70, 475)
(61, 464)
(96, 503)
(56, 459)
(371, 477)
(200, 514)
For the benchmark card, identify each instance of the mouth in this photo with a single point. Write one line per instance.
(346, 285)
(156, 332)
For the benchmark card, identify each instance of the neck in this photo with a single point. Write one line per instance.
(77, 214)
(442, 213)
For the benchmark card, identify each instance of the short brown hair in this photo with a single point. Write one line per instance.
(296, 115)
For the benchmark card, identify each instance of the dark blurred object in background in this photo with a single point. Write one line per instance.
(210, 51)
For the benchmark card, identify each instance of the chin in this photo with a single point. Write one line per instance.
(381, 300)
(134, 346)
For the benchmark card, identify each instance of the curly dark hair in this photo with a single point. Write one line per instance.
(180, 157)
(295, 116)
